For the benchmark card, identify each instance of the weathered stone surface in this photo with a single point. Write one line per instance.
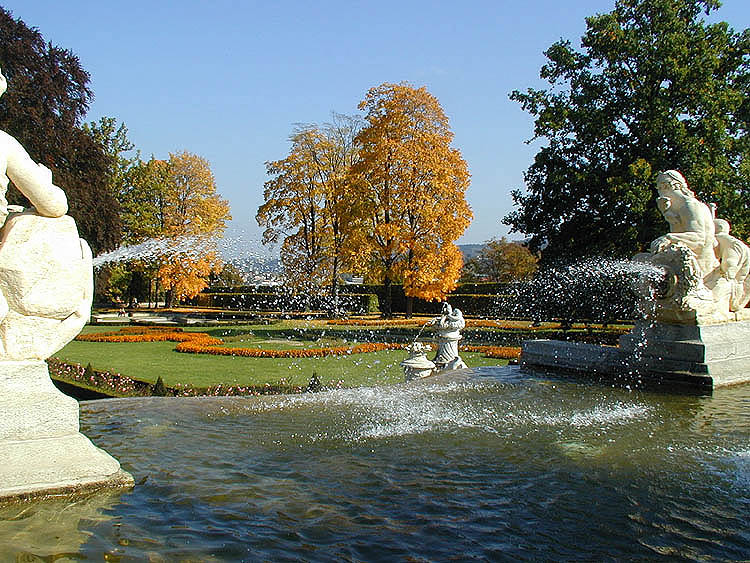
(417, 365)
(46, 288)
(31, 406)
(41, 448)
(46, 281)
(719, 351)
(698, 356)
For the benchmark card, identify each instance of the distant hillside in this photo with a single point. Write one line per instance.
(470, 250)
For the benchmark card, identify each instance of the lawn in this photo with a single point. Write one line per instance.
(149, 360)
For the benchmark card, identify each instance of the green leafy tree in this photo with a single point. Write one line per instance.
(654, 87)
(502, 261)
(48, 96)
(229, 276)
(118, 149)
(144, 199)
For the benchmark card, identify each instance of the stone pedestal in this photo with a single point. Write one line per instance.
(690, 356)
(720, 352)
(42, 452)
(417, 365)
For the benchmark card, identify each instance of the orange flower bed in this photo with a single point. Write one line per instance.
(500, 352)
(201, 347)
(202, 343)
(157, 335)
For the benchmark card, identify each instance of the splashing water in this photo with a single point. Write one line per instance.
(595, 289)
(248, 255)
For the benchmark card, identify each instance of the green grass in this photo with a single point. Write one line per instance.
(149, 360)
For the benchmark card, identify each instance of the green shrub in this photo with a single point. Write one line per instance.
(315, 385)
(159, 389)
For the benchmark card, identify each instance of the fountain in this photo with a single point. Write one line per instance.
(695, 331)
(448, 325)
(490, 465)
(46, 288)
(483, 463)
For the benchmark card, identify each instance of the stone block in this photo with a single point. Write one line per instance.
(41, 450)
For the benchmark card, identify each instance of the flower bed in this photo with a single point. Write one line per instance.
(118, 385)
(202, 343)
(499, 352)
(114, 384)
(204, 347)
(148, 335)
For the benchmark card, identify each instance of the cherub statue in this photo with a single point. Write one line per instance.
(449, 325)
(734, 256)
(691, 221)
(34, 180)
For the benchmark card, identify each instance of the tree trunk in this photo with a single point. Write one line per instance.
(409, 306)
(335, 286)
(387, 309)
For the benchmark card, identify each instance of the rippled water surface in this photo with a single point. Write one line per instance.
(492, 466)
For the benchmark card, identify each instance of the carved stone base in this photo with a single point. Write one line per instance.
(702, 357)
(42, 453)
(720, 352)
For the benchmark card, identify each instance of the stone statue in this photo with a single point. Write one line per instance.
(449, 325)
(734, 257)
(46, 281)
(417, 365)
(705, 268)
(691, 221)
(695, 330)
(46, 288)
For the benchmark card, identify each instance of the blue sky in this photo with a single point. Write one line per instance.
(228, 80)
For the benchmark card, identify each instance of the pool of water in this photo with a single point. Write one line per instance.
(492, 465)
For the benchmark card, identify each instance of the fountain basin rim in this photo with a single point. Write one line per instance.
(121, 480)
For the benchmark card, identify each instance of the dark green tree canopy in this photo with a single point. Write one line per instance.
(654, 87)
(47, 98)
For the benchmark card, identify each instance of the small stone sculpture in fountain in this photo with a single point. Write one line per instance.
(449, 325)
(734, 257)
(417, 365)
(46, 288)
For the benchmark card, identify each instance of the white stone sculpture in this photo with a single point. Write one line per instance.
(696, 333)
(46, 288)
(417, 365)
(734, 258)
(449, 325)
(704, 285)
(691, 221)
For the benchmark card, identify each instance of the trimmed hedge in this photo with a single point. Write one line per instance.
(557, 300)
(352, 303)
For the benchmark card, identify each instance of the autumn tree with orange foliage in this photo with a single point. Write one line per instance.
(412, 184)
(307, 203)
(173, 199)
(193, 208)
(184, 275)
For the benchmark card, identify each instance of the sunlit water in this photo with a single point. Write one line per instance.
(493, 466)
